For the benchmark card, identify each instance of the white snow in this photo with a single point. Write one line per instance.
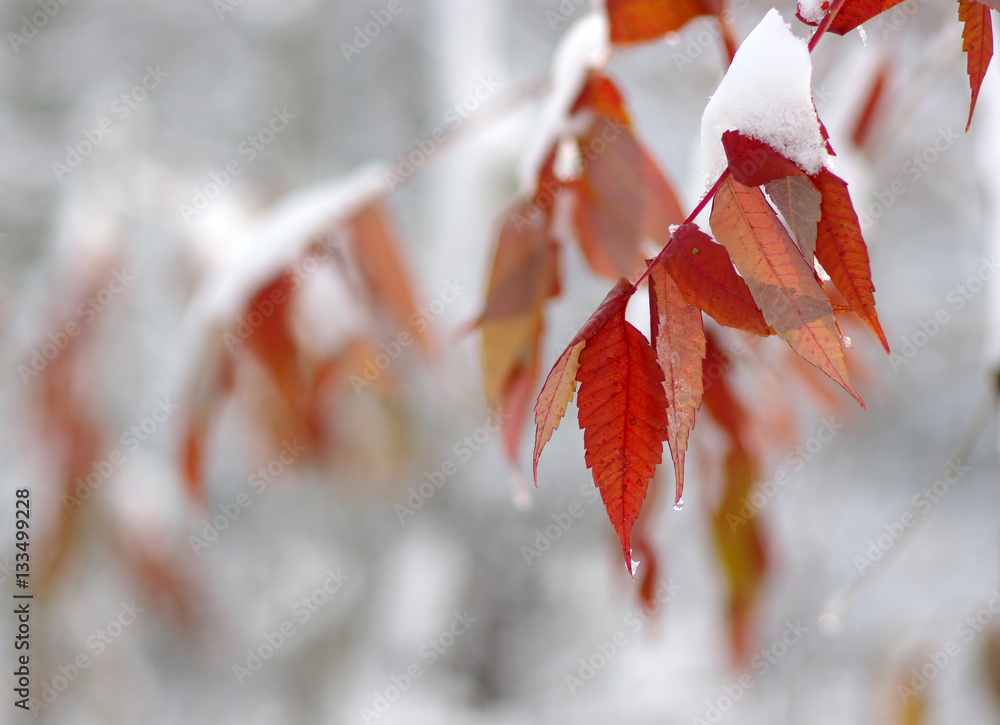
(766, 95)
(812, 10)
(585, 46)
(280, 237)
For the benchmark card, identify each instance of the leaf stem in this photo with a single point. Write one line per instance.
(825, 24)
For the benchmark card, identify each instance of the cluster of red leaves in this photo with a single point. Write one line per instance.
(758, 275)
(276, 359)
(618, 197)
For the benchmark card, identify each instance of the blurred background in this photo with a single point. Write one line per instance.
(301, 513)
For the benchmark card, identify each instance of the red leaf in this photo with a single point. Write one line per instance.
(622, 410)
(841, 250)
(600, 95)
(855, 12)
(753, 162)
(866, 119)
(781, 281)
(561, 381)
(704, 273)
(635, 21)
(679, 338)
(719, 400)
(977, 42)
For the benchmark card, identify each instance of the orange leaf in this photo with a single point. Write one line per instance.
(600, 95)
(719, 400)
(977, 42)
(377, 252)
(841, 250)
(523, 278)
(561, 381)
(704, 273)
(635, 21)
(679, 337)
(523, 274)
(622, 197)
(781, 281)
(622, 411)
(740, 547)
(874, 102)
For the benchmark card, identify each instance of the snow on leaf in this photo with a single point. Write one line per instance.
(679, 338)
(704, 273)
(583, 48)
(766, 95)
(812, 12)
(781, 281)
(636, 21)
(977, 42)
(799, 203)
(622, 411)
(560, 384)
(841, 250)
